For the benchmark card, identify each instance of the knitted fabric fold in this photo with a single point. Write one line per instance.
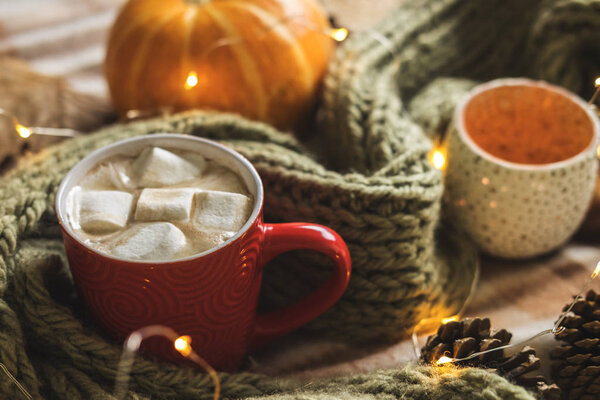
(74, 362)
(45, 321)
(376, 189)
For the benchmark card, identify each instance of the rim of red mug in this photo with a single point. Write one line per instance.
(459, 117)
(110, 150)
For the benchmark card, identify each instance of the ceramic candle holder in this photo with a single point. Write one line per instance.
(517, 210)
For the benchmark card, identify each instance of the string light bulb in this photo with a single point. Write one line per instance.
(22, 130)
(437, 158)
(415, 336)
(339, 34)
(449, 319)
(182, 345)
(596, 271)
(444, 360)
(191, 81)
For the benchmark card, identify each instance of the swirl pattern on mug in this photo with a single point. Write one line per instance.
(211, 298)
(194, 282)
(89, 269)
(243, 278)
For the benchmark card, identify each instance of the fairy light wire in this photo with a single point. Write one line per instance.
(557, 326)
(386, 43)
(555, 330)
(445, 359)
(60, 132)
(26, 131)
(180, 343)
(15, 381)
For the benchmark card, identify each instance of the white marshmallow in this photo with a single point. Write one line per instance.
(221, 179)
(196, 159)
(113, 175)
(158, 167)
(157, 241)
(222, 210)
(164, 205)
(103, 211)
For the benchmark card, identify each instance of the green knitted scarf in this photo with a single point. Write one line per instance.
(385, 92)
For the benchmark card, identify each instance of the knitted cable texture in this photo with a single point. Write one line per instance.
(375, 188)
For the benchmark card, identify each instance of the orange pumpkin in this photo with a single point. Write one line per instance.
(263, 59)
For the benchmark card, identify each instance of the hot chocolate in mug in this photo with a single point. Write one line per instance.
(211, 296)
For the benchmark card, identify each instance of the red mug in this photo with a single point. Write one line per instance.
(211, 296)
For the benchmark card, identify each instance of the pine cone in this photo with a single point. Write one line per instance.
(459, 339)
(576, 364)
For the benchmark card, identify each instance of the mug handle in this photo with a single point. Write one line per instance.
(279, 238)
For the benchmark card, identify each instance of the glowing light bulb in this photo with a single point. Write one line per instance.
(597, 82)
(444, 360)
(450, 319)
(596, 271)
(191, 81)
(339, 35)
(437, 158)
(182, 345)
(23, 131)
